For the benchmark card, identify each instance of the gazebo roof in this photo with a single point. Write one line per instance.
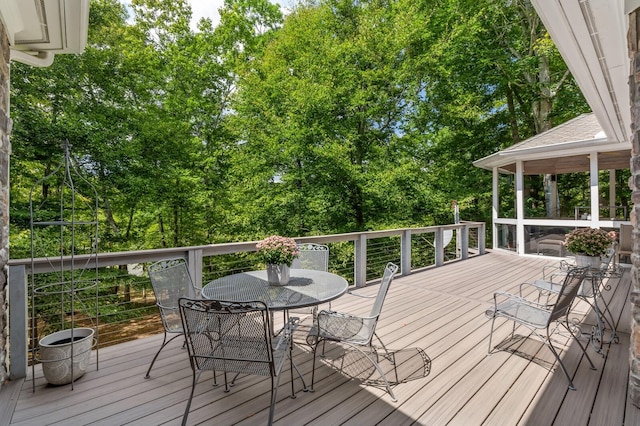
(562, 149)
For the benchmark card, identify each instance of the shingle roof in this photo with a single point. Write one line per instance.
(585, 127)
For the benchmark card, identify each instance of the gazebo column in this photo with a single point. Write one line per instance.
(634, 184)
(612, 194)
(520, 206)
(495, 209)
(595, 194)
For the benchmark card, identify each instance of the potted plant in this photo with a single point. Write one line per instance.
(588, 243)
(65, 354)
(277, 253)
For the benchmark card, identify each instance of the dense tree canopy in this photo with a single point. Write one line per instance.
(341, 116)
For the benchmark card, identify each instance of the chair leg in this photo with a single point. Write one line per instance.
(165, 342)
(193, 388)
(387, 354)
(304, 385)
(313, 366)
(493, 320)
(389, 357)
(275, 382)
(293, 392)
(584, 349)
(557, 355)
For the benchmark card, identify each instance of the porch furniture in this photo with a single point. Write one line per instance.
(536, 316)
(305, 288)
(551, 243)
(170, 280)
(590, 291)
(355, 331)
(311, 256)
(625, 248)
(235, 338)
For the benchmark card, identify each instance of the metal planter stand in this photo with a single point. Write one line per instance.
(64, 225)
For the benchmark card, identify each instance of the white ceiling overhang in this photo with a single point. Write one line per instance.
(505, 160)
(591, 37)
(39, 29)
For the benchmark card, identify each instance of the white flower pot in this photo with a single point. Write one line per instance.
(55, 355)
(278, 274)
(593, 262)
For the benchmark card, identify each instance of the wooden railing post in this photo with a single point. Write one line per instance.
(464, 242)
(360, 261)
(482, 236)
(405, 252)
(194, 262)
(18, 329)
(439, 243)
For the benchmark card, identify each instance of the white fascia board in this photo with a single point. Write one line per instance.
(566, 149)
(76, 18)
(566, 25)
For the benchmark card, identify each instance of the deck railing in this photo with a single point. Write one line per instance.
(126, 303)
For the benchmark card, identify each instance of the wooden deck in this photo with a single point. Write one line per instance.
(440, 310)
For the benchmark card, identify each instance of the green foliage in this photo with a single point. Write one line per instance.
(341, 116)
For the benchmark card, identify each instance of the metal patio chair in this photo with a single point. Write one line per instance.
(536, 316)
(170, 280)
(235, 338)
(312, 256)
(355, 331)
(625, 248)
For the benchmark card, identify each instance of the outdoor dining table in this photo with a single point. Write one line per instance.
(306, 288)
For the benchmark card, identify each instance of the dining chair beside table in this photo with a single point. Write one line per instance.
(223, 327)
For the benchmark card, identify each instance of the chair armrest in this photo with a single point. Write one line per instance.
(361, 295)
(338, 325)
(167, 308)
(503, 296)
(525, 284)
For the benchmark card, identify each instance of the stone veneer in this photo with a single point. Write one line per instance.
(634, 184)
(5, 150)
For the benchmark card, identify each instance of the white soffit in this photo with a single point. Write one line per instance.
(591, 37)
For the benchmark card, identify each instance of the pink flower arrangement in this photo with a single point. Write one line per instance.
(277, 250)
(588, 241)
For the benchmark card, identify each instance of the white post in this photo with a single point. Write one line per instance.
(520, 207)
(595, 196)
(360, 266)
(495, 208)
(612, 194)
(405, 252)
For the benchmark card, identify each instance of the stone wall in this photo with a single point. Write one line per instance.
(5, 150)
(634, 185)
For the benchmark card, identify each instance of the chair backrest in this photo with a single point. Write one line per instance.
(228, 336)
(626, 242)
(447, 236)
(389, 272)
(171, 280)
(608, 257)
(568, 291)
(312, 256)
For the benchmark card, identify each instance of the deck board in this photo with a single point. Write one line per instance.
(440, 310)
